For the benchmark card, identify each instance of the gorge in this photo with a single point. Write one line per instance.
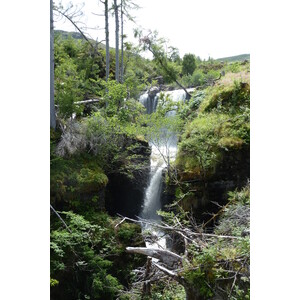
(132, 153)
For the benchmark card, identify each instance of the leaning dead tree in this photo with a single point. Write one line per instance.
(72, 15)
(166, 264)
(151, 43)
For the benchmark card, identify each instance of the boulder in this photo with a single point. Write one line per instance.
(153, 91)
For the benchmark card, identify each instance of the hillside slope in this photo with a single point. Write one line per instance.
(240, 57)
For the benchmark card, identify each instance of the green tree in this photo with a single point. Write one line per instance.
(155, 45)
(161, 128)
(125, 6)
(188, 64)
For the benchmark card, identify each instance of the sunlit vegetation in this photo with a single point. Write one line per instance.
(107, 140)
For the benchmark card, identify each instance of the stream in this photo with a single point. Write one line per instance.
(152, 197)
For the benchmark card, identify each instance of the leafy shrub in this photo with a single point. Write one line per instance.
(197, 78)
(188, 64)
(91, 180)
(222, 266)
(198, 152)
(127, 233)
(171, 291)
(78, 260)
(233, 67)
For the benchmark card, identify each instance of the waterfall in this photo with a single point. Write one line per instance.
(152, 198)
(149, 100)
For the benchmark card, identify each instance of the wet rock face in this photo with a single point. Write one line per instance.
(153, 91)
(125, 194)
(233, 172)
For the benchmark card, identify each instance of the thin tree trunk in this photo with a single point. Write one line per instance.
(188, 95)
(60, 218)
(106, 41)
(52, 107)
(106, 46)
(147, 284)
(117, 40)
(122, 43)
(80, 31)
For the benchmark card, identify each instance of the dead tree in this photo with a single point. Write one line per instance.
(71, 15)
(168, 264)
(116, 12)
(52, 107)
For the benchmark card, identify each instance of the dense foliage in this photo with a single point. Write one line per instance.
(94, 142)
(188, 64)
(87, 257)
(220, 124)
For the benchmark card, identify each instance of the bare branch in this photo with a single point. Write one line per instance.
(70, 18)
(61, 219)
(99, 15)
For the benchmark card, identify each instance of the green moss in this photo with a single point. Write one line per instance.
(222, 122)
(129, 234)
(53, 282)
(199, 151)
(90, 180)
(198, 280)
(230, 142)
(170, 291)
(227, 98)
(75, 176)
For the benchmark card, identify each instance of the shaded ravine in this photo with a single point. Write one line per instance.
(152, 198)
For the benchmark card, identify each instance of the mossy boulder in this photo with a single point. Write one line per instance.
(229, 98)
(214, 147)
(77, 182)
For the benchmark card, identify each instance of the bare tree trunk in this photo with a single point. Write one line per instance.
(122, 43)
(106, 41)
(80, 31)
(188, 95)
(165, 256)
(147, 285)
(117, 40)
(52, 107)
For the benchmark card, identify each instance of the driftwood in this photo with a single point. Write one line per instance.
(146, 283)
(184, 232)
(167, 257)
(163, 263)
(88, 101)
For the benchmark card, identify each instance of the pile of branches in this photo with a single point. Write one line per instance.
(165, 265)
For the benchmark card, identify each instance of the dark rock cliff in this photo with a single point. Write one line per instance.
(125, 192)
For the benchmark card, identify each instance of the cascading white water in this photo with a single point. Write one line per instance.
(152, 198)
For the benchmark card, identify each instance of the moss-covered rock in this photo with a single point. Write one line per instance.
(214, 149)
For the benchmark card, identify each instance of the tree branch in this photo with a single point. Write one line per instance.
(80, 31)
(60, 218)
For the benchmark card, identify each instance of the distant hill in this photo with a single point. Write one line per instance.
(66, 34)
(75, 35)
(240, 57)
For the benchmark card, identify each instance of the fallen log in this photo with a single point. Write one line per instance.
(167, 257)
(88, 101)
